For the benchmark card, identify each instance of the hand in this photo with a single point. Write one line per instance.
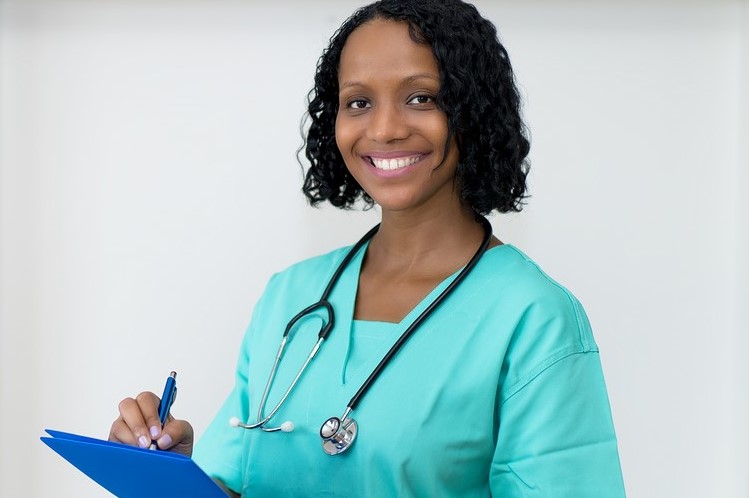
(139, 424)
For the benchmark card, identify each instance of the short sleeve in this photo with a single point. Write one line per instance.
(219, 451)
(556, 437)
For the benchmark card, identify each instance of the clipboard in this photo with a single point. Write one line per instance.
(132, 472)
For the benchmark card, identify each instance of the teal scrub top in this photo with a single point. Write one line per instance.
(499, 393)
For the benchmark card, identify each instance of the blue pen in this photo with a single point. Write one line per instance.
(167, 399)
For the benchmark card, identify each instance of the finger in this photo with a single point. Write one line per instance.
(176, 436)
(148, 403)
(130, 427)
(121, 433)
(133, 418)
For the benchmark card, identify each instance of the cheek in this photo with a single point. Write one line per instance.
(440, 131)
(344, 139)
(435, 130)
(343, 136)
(438, 137)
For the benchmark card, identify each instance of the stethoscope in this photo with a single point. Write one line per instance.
(338, 433)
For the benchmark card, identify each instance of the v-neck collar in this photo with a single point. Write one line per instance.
(343, 299)
(346, 293)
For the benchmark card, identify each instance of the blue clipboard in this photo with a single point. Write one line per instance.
(131, 472)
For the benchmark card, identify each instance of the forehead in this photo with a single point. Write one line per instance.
(384, 47)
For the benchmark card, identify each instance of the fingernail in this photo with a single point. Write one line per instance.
(143, 442)
(154, 431)
(165, 441)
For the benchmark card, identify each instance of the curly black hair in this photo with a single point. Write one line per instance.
(477, 94)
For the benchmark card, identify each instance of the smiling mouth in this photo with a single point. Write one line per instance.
(395, 162)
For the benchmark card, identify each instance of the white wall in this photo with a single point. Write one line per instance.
(149, 187)
(742, 273)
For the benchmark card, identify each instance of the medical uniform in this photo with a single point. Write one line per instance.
(499, 393)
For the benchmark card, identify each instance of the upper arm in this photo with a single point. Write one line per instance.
(556, 437)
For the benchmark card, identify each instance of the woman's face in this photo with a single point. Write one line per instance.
(389, 130)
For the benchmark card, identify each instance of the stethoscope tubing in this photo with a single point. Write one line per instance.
(421, 318)
(261, 421)
(344, 264)
(323, 302)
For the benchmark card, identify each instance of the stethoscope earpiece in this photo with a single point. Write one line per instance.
(287, 426)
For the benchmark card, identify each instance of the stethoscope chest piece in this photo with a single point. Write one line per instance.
(338, 435)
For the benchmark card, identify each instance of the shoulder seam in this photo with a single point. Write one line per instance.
(542, 367)
(576, 306)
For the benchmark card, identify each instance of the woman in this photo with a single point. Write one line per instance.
(498, 390)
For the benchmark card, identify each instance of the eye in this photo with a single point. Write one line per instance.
(421, 100)
(358, 104)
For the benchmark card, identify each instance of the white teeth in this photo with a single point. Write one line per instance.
(395, 163)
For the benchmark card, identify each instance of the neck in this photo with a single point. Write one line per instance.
(409, 256)
(411, 237)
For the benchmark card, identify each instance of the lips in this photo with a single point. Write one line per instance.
(394, 163)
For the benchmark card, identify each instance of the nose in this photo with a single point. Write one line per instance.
(387, 123)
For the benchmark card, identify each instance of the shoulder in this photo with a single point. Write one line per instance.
(292, 288)
(513, 279)
(321, 266)
(310, 275)
(540, 319)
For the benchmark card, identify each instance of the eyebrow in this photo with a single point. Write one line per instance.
(406, 81)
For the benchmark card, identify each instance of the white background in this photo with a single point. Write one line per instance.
(149, 187)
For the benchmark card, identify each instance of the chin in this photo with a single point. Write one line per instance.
(398, 205)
